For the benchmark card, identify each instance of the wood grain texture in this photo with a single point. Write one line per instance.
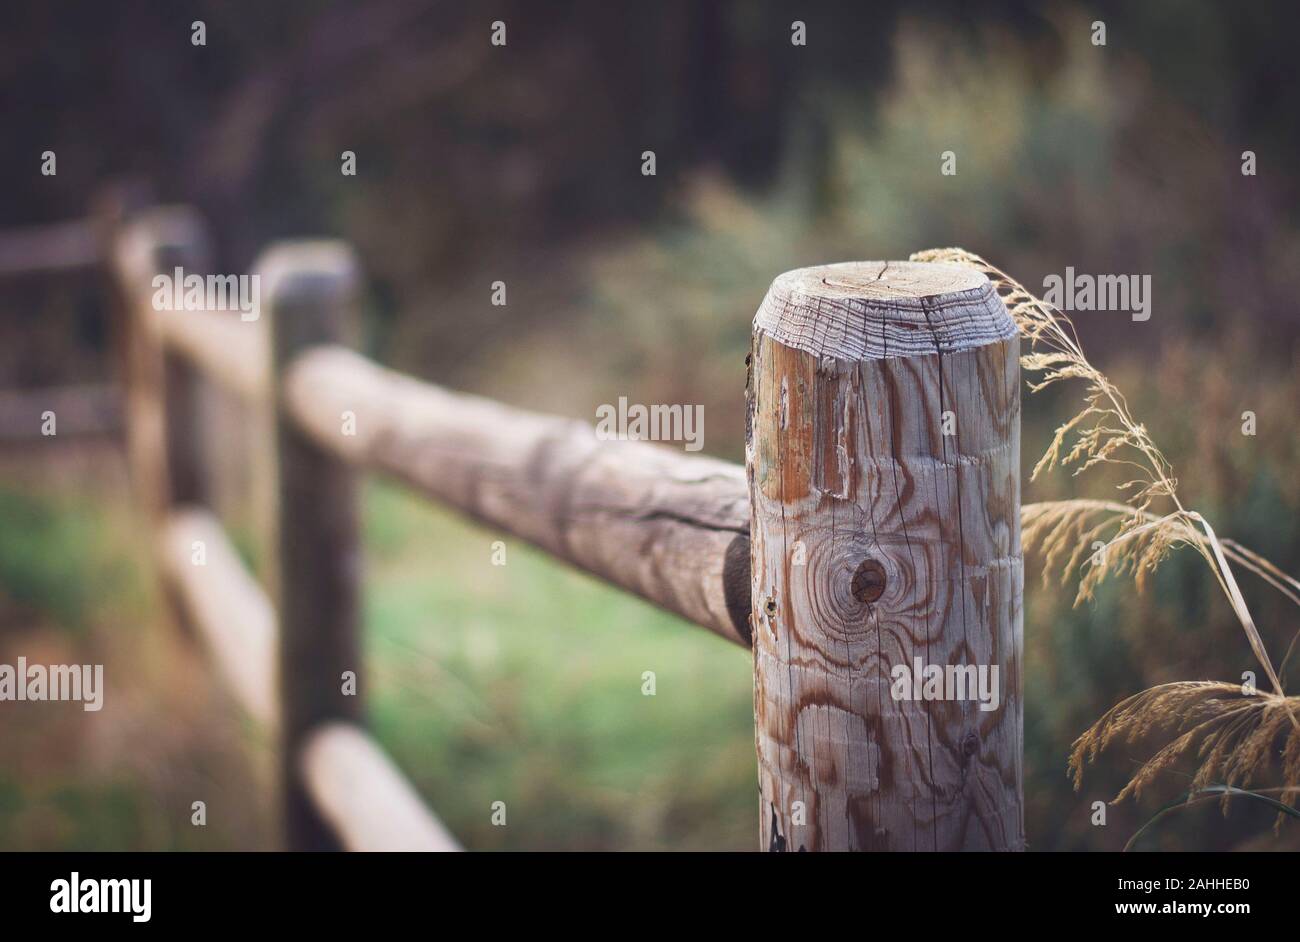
(878, 539)
(364, 797)
(672, 528)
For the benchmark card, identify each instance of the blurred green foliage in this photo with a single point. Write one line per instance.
(46, 553)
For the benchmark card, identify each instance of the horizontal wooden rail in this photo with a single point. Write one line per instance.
(671, 528)
(225, 605)
(232, 352)
(78, 410)
(285, 667)
(358, 791)
(54, 247)
(674, 529)
(364, 797)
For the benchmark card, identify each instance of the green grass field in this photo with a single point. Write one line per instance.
(522, 683)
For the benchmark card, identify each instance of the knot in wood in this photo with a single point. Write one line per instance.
(869, 581)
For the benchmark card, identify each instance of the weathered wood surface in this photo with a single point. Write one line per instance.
(878, 539)
(226, 606)
(364, 797)
(674, 529)
(312, 292)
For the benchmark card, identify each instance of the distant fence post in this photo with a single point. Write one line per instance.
(883, 453)
(185, 247)
(112, 206)
(311, 292)
(164, 426)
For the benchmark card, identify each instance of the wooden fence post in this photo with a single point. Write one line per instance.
(311, 291)
(112, 206)
(185, 246)
(163, 402)
(883, 453)
(164, 426)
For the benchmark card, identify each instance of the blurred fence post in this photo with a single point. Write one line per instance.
(311, 294)
(164, 422)
(112, 206)
(883, 453)
(184, 246)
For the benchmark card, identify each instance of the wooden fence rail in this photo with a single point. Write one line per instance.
(91, 409)
(362, 795)
(226, 607)
(294, 664)
(54, 248)
(881, 489)
(673, 529)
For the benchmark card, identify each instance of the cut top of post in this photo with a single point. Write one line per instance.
(876, 310)
(311, 287)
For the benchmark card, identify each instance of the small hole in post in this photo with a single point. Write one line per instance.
(770, 608)
(869, 581)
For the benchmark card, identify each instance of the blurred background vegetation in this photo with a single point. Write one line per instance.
(522, 164)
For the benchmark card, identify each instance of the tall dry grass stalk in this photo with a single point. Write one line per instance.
(1233, 733)
(1230, 733)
